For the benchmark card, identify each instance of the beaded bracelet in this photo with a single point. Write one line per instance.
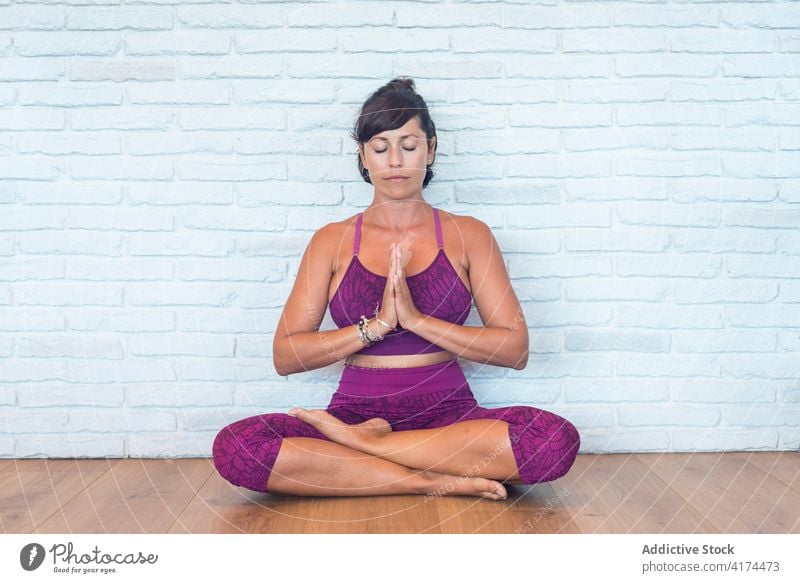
(360, 334)
(363, 326)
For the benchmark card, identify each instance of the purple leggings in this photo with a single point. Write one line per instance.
(544, 444)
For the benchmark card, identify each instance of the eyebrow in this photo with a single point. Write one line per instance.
(401, 137)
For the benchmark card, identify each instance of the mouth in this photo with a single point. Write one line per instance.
(397, 178)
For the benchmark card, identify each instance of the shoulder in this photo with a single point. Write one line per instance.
(334, 231)
(331, 238)
(470, 229)
(473, 233)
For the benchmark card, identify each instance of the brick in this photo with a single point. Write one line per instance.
(70, 193)
(312, 40)
(129, 371)
(209, 245)
(31, 119)
(487, 41)
(63, 143)
(84, 445)
(627, 341)
(120, 168)
(235, 169)
(149, 70)
(190, 193)
(143, 118)
(669, 16)
(643, 213)
(120, 18)
(32, 18)
(72, 346)
(231, 118)
(667, 65)
(724, 342)
(177, 43)
(54, 243)
(34, 44)
(68, 295)
(722, 41)
(232, 16)
(722, 392)
(684, 415)
(64, 394)
(65, 96)
(242, 67)
(137, 269)
(612, 41)
(178, 93)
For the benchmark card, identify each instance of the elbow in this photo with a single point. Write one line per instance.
(278, 361)
(521, 360)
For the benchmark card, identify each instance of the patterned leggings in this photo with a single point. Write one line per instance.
(544, 444)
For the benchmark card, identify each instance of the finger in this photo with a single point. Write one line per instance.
(392, 263)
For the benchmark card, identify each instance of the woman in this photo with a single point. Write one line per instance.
(404, 419)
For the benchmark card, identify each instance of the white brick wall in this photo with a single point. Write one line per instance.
(163, 165)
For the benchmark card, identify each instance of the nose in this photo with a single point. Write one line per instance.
(395, 156)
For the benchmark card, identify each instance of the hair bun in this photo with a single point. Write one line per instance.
(404, 83)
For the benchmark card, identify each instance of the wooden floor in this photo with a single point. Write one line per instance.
(742, 492)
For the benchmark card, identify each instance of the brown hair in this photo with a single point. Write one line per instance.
(388, 108)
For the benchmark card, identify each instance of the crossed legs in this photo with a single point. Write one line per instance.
(478, 447)
(313, 452)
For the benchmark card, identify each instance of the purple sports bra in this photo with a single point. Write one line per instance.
(436, 290)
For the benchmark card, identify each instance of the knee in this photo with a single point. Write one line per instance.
(549, 445)
(566, 442)
(244, 451)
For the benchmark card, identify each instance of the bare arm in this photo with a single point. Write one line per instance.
(503, 340)
(298, 345)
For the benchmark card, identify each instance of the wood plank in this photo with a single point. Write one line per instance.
(396, 514)
(733, 494)
(529, 509)
(221, 507)
(616, 493)
(133, 496)
(32, 491)
(781, 465)
(45, 466)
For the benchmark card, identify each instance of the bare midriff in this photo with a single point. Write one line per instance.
(400, 360)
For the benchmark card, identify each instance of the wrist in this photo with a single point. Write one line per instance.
(382, 326)
(416, 322)
(367, 332)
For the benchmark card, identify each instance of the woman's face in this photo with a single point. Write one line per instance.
(402, 152)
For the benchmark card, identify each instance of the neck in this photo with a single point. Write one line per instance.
(398, 215)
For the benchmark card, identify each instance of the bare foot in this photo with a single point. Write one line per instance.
(449, 485)
(353, 436)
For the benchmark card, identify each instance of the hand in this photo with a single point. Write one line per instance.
(387, 312)
(407, 313)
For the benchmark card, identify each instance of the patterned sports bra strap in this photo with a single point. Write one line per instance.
(438, 228)
(357, 241)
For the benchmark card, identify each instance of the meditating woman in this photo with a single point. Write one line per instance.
(403, 419)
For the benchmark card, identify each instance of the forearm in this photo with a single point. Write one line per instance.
(305, 351)
(490, 345)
